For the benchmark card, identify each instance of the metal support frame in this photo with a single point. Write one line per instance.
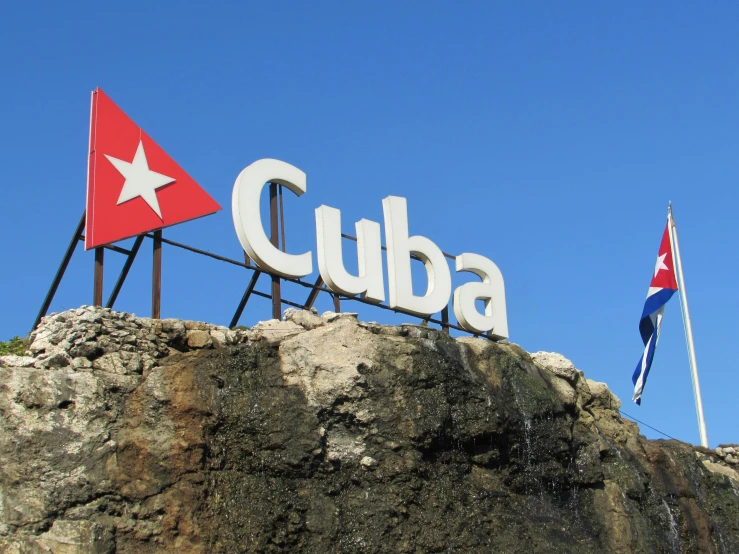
(282, 220)
(445, 319)
(316, 288)
(314, 293)
(60, 272)
(277, 238)
(97, 288)
(244, 299)
(124, 271)
(156, 277)
(97, 295)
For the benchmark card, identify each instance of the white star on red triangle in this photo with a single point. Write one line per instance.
(140, 180)
(660, 265)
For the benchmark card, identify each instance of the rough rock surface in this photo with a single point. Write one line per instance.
(325, 434)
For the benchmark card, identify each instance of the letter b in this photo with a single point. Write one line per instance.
(399, 249)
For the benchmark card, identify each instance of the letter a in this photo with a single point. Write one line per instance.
(491, 291)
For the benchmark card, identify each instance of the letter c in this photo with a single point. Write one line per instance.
(248, 220)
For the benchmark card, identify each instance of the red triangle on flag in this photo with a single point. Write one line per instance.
(133, 186)
(664, 270)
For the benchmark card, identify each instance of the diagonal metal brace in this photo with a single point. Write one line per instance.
(60, 272)
(244, 299)
(313, 294)
(124, 271)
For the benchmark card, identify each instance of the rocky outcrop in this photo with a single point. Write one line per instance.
(326, 434)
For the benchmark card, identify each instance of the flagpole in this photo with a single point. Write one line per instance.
(688, 332)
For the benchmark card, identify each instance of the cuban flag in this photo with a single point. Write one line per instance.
(661, 289)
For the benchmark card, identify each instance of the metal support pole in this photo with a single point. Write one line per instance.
(282, 222)
(313, 294)
(244, 299)
(60, 272)
(688, 333)
(97, 288)
(124, 271)
(276, 298)
(156, 277)
(275, 239)
(337, 304)
(445, 319)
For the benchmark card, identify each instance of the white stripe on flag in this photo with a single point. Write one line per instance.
(639, 386)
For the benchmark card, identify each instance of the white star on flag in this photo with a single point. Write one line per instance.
(660, 265)
(140, 180)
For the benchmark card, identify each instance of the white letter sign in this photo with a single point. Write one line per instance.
(248, 220)
(491, 290)
(369, 283)
(399, 249)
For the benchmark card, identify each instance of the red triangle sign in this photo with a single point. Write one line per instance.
(133, 186)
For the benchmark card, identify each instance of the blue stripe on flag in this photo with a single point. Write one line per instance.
(644, 368)
(646, 328)
(655, 302)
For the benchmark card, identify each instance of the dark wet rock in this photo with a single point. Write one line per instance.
(325, 434)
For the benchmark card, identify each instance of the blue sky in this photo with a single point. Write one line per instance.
(548, 137)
